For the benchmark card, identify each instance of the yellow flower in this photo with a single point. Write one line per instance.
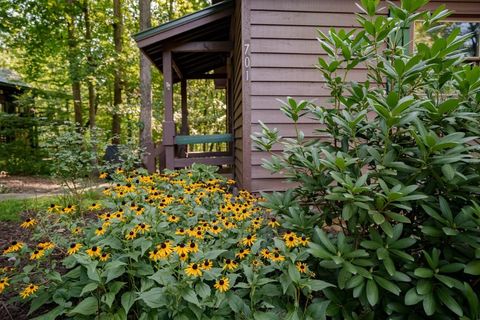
(277, 257)
(46, 245)
(230, 264)
(183, 256)
(154, 255)
(288, 234)
(206, 265)
(181, 248)
(249, 240)
(95, 206)
(180, 232)
(3, 284)
(105, 256)
(139, 211)
(222, 284)
(103, 175)
(37, 254)
(273, 223)
(165, 249)
(242, 253)
(173, 219)
(193, 247)
(69, 209)
(302, 267)
(14, 247)
(291, 241)
(131, 235)
(304, 240)
(100, 231)
(256, 263)
(142, 228)
(28, 291)
(193, 270)
(77, 230)
(215, 229)
(74, 248)
(30, 222)
(94, 251)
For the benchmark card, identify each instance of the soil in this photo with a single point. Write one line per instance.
(26, 184)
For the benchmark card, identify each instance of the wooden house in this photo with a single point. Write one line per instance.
(262, 50)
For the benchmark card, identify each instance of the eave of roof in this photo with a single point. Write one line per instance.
(183, 20)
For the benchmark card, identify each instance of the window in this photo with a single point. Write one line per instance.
(471, 46)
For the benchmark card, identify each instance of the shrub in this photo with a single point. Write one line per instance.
(172, 246)
(392, 182)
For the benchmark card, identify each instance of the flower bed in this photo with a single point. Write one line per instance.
(178, 245)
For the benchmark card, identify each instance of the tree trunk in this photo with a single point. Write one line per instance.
(117, 82)
(91, 68)
(74, 65)
(146, 91)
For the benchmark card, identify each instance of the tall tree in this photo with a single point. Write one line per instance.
(146, 89)
(92, 95)
(117, 82)
(73, 55)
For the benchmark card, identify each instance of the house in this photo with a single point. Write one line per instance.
(262, 50)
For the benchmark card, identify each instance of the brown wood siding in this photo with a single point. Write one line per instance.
(284, 52)
(236, 35)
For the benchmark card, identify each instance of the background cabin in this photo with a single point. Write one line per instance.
(260, 51)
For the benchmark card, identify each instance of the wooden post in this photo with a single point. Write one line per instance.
(168, 124)
(184, 129)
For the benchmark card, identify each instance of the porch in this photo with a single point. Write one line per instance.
(197, 46)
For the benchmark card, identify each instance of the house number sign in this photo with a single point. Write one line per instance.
(246, 60)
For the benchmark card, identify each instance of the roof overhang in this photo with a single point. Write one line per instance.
(199, 41)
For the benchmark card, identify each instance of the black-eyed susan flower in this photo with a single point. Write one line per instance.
(69, 209)
(206, 265)
(103, 175)
(181, 248)
(242, 253)
(3, 283)
(288, 234)
(104, 256)
(256, 263)
(37, 254)
(303, 240)
(131, 235)
(165, 249)
(249, 240)
(222, 284)
(172, 218)
(14, 247)
(302, 267)
(277, 257)
(230, 264)
(193, 270)
(53, 208)
(28, 223)
(94, 251)
(215, 229)
(139, 211)
(100, 231)
(183, 256)
(291, 241)
(273, 223)
(46, 245)
(142, 228)
(154, 255)
(180, 232)
(73, 248)
(193, 247)
(95, 206)
(28, 290)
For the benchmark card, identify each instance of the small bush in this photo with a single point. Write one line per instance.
(173, 246)
(392, 185)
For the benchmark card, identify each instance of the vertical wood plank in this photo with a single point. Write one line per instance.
(184, 129)
(168, 124)
(246, 98)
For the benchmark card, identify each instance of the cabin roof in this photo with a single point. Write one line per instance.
(9, 78)
(209, 24)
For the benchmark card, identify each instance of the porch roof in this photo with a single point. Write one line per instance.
(210, 26)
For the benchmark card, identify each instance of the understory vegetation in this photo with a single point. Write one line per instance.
(390, 192)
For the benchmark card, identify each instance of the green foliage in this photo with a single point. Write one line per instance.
(241, 266)
(393, 184)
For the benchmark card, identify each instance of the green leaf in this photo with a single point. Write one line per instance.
(473, 268)
(89, 287)
(86, 307)
(372, 292)
(114, 273)
(203, 290)
(423, 273)
(293, 273)
(258, 315)
(317, 285)
(154, 298)
(429, 305)
(412, 298)
(448, 301)
(127, 300)
(387, 285)
(190, 296)
(213, 254)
